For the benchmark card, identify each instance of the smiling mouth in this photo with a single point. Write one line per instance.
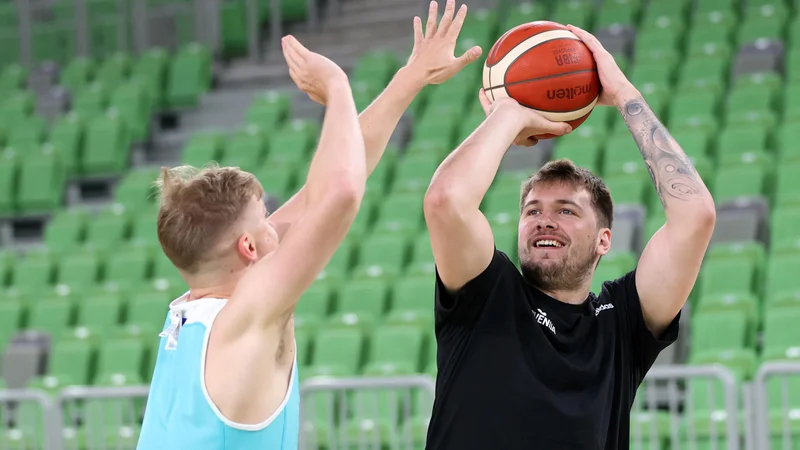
(547, 243)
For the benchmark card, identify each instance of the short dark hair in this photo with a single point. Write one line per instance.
(565, 171)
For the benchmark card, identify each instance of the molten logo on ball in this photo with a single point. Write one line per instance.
(570, 93)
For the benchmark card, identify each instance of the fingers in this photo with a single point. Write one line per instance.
(433, 14)
(458, 23)
(447, 17)
(587, 38)
(296, 47)
(418, 37)
(486, 104)
(468, 57)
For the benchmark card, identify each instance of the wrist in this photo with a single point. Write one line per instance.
(625, 95)
(411, 78)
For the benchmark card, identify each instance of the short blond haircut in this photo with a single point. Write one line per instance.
(198, 205)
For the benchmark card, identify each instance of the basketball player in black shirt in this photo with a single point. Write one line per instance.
(534, 361)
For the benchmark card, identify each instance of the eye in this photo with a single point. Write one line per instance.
(533, 211)
(566, 211)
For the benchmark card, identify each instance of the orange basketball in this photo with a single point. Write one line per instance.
(544, 66)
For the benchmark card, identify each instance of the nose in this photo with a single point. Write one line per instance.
(545, 222)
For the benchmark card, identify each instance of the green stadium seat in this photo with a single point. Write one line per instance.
(629, 189)
(202, 148)
(35, 271)
(107, 141)
(148, 308)
(70, 363)
(151, 71)
(743, 302)
(77, 74)
(100, 310)
(41, 181)
(315, 302)
(787, 189)
(338, 352)
(131, 101)
(109, 227)
(17, 107)
(719, 330)
(505, 240)
(742, 139)
(366, 298)
(583, 153)
(79, 270)
(780, 329)
(785, 136)
(12, 78)
(9, 173)
(785, 225)
(53, 315)
(739, 181)
(136, 190)
(276, 180)
(114, 70)
(7, 261)
(400, 214)
(422, 262)
(65, 231)
(189, 76)
(414, 294)
(66, 136)
(575, 12)
(269, 110)
(91, 101)
(124, 357)
(607, 270)
(11, 314)
(144, 225)
(291, 145)
(381, 256)
(781, 276)
(245, 149)
(130, 265)
(27, 135)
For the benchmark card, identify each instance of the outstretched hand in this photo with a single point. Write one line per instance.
(433, 53)
(532, 123)
(313, 73)
(613, 81)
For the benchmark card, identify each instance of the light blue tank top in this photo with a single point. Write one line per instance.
(180, 414)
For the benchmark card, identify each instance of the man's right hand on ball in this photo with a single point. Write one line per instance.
(313, 73)
(530, 122)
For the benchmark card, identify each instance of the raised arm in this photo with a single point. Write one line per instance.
(431, 62)
(334, 188)
(670, 263)
(461, 237)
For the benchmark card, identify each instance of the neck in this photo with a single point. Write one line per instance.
(213, 286)
(573, 297)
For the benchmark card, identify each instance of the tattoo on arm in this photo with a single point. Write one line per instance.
(673, 175)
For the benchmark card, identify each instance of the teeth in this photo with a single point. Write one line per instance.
(548, 243)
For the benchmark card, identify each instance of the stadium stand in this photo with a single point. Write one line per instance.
(83, 283)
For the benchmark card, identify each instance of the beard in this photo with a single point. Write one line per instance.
(569, 274)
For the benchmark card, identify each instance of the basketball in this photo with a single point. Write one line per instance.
(544, 66)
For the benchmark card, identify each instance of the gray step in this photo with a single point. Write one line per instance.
(395, 14)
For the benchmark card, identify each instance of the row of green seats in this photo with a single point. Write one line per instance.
(99, 312)
(252, 146)
(170, 81)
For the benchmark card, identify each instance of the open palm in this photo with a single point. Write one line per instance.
(434, 50)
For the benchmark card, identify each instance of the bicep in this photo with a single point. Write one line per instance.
(666, 274)
(462, 244)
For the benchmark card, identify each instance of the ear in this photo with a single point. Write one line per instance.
(604, 242)
(247, 248)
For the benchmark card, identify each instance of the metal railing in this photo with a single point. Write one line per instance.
(688, 407)
(777, 426)
(365, 413)
(677, 407)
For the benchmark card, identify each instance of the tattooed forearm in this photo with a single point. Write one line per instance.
(673, 175)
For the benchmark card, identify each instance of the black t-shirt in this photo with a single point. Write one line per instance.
(518, 369)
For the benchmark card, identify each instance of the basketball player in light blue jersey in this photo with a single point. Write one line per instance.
(226, 372)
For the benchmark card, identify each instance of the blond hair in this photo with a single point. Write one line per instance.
(198, 205)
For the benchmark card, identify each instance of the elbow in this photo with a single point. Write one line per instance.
(438, 200)
(704, 218)
(345, 196)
